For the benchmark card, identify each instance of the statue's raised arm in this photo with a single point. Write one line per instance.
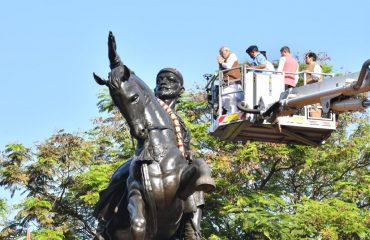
(113, 56)
(119, 70)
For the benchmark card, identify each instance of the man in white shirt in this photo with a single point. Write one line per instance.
(232, 91)
(228, 60)
(313, 74)
(313, 70)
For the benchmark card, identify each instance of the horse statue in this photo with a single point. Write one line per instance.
(159, 179)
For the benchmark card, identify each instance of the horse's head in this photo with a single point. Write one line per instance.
(128, 97)
(125, 92)
(132, 102)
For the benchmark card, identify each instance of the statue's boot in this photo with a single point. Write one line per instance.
(196, 177)
(204, 182)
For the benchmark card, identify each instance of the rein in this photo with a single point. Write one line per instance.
(176, 123)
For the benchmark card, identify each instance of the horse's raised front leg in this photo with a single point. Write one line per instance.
(136, 208)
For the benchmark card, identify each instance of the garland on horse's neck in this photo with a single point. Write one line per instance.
(176, 123)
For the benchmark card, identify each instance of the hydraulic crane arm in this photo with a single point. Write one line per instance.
(332, 93)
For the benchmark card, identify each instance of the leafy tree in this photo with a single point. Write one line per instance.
(3, 209)
(275, 191)
(60, 179)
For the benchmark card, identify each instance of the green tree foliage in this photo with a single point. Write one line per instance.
(61, 178)
(3, 210)
(278, 191)
(264, 190)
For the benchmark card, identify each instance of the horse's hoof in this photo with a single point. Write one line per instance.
(205, 184)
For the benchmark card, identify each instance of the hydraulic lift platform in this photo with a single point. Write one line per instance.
(302, 115)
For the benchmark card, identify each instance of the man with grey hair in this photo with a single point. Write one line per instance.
(232, 90)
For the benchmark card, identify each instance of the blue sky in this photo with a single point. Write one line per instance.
(49, 49)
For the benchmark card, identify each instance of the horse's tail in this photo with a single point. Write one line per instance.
(148, 195)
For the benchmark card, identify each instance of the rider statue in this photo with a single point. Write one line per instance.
(169, 87)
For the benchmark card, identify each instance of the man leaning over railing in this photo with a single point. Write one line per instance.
(232, 91)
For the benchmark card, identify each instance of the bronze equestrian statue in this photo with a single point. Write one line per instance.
(150, 205)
